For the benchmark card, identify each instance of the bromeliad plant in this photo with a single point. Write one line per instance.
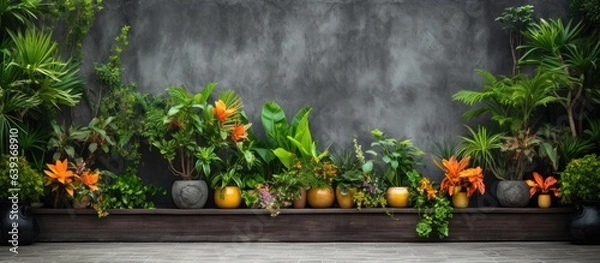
(70, 181)
(543, 186)
(457, 177)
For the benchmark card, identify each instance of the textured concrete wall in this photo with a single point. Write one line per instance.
(387, 64)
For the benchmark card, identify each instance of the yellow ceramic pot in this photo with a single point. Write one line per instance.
(397, 196)
(345, 201)
(460, 200)
(320, 197)
(228, 198)
(544, 200)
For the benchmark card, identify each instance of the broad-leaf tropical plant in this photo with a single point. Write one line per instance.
(542, 186)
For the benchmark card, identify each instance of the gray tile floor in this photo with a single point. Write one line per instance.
(304, 252)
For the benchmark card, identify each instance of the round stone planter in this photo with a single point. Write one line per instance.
(189, 194)
(513, 193)
(18, 214)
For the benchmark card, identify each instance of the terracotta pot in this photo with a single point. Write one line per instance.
(397, 197)
(460, 200)
(228, 198)
(300, 202)
(345, 201)
(320, 197)
(544, 200)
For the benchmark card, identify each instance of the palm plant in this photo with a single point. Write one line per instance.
(556, 47)
(18, 14)
(510, 101)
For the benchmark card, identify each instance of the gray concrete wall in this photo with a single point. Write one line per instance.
(387, 64)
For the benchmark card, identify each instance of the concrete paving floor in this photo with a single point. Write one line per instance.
(305, 252)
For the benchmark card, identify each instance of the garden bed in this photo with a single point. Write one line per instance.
(240, 225)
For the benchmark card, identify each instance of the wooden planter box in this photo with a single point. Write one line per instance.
(323, 225)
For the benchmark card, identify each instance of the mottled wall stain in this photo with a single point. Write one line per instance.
(386, 64)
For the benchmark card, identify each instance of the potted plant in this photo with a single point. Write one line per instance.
(459, 181)
(281, 191)
(372, 190)
(517, 155)
(350, 177)
(545, 187)
(188, 131)
(74, 185)
(397, 159)
(579, 185)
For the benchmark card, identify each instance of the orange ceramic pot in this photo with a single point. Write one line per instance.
(228, 198)
(300, 202)
(544, 200)
(345, 201)
(320, 197)
(397, 197)
(460, 200)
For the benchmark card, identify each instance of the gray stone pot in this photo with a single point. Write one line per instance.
(513, 193)
(189, 194)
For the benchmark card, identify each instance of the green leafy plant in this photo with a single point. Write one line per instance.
(516, 20)
(435, 210)
(560, 49)
(128, 191)
(511, 102)
(78, 16)
(17, 15)
(30, 181)
(579, 180)
(86, 142)
(192, 130)
(280, 191)
(397, 157)
(481, 145)
(371, 192)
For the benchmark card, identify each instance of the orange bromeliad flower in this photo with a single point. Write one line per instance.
(238, 132)
(90, 179)
(60, 172)
(425, 185)
(473, 180)
(542, 185)
(222, 112)
(452, 169)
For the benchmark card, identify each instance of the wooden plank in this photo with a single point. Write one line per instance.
(325, 225)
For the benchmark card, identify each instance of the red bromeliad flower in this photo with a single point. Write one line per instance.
(542, 185)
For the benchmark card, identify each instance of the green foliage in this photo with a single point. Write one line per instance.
(511, 102)
(17, 15)
(516, 20)
(350, 175)
(397, 157)
(371, 192)
(86, 142)
(589, 12)
(561, 49)
(445, 150)
(77, 16)
(127, 191)
(34, 82)
(434, 211)
(481, 146)
(579, 181)
(124, 103)
(281, 191)
(30, 181)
